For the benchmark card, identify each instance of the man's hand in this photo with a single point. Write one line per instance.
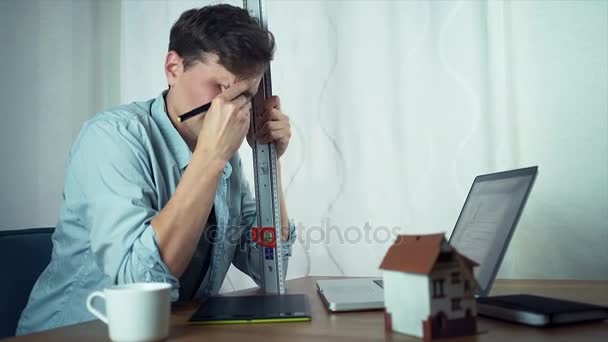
(226, 123)
(273, 126)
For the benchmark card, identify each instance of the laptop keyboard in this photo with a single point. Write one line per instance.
(379, 283)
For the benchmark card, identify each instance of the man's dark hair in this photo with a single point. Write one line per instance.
(244, 48)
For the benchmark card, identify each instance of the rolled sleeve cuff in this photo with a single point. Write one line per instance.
(151, 265)
(288, 245)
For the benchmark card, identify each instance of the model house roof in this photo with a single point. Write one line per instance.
(419, 253)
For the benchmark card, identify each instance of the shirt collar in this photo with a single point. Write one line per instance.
(174, 140)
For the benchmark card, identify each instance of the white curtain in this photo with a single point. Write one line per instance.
(59, 64)
(395, 107)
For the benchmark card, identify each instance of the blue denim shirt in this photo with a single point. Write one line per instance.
(122, 169)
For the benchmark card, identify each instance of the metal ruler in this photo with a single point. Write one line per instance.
(267, 232)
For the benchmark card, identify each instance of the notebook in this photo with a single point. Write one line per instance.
(253, 309)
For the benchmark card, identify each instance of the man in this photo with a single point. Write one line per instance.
(148, 198)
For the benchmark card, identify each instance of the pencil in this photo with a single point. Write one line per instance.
(194, 112)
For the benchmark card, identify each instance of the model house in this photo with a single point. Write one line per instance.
(428, 288)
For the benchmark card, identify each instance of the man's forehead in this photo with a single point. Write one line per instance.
(210, 69)
(225, 76)
(253, 83)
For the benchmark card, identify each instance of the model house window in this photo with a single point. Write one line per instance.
(455, 277)
(456, 304)
(438, 288)
(444, 257)
(467, 287)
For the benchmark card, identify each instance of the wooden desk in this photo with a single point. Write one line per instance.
(363, 325)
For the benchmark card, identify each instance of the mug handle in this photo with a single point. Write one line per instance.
(94, 311)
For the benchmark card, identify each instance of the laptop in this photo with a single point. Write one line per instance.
(482, 233)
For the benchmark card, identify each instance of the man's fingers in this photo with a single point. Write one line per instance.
(274, 136)
(234, 91)
(275, 115)
(272, 102)
(271, 115)
(240, 101)
(269, 126)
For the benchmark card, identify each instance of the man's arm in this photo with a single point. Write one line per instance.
(283, 206)
(247, 256)
(109, 179)
(273, 127)
(132, 239)
(180, 223)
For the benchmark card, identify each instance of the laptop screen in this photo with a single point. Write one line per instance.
(488, 219)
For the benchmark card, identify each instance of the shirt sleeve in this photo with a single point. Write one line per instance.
(247, 257)
(111, 167)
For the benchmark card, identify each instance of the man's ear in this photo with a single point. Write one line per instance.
(174, 67)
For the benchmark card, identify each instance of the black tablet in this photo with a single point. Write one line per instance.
(253, 309)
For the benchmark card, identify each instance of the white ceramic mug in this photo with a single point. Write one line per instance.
(135, 312)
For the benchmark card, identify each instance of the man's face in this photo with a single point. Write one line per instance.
(200, 84)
